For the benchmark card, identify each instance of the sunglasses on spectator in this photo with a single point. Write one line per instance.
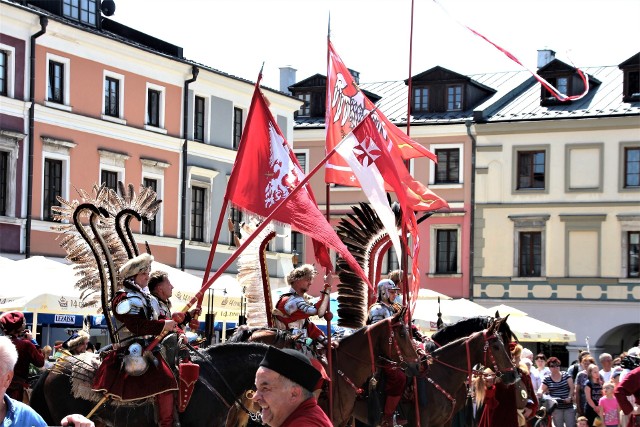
(553, 365)
(539, 358)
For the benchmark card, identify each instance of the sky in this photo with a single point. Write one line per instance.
(373, 36)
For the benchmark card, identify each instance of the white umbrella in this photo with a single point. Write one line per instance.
(453, 310)
(431, 294)
(529, 329)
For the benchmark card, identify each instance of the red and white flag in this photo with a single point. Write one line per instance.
(346, 106)
(370, 158)
(264, 174)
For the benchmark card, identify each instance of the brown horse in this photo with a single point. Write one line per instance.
(357, 357)
(451, 366)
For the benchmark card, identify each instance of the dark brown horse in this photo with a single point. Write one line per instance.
(226, 371)
(448, 372)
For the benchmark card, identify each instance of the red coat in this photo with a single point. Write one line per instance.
(110, 376)
(313, 331)
(629, 386)
(307, 414)
(27, 353)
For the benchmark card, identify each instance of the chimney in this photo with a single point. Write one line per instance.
(355, 74)
(545, 56)
(287, 78)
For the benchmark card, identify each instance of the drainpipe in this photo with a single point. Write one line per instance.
(32, 113)
(185, 126)
(473, 206)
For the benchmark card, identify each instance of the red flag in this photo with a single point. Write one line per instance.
(374, 159)
(265, 172)
(347, 105)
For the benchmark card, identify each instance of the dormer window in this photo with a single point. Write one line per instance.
(84, 11)
(305, 108)
(454, 98)
(562, 84)
(421, 99)
(632, 86)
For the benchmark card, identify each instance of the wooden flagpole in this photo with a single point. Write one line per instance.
(405, 254)
(328, 215)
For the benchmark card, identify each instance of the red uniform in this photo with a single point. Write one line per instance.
(308, 414)
(112, 379)
(629, 386)
(27, 353)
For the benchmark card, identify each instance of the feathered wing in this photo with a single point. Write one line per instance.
(367, 239)
(252, 274)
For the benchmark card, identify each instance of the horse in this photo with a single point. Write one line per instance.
(226, 371)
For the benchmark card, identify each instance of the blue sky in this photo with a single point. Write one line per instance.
(372, 36)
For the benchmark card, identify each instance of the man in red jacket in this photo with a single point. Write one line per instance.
(284, 390)
(13, 325)
(629, 386)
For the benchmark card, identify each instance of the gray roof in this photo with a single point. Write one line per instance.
(517, 98)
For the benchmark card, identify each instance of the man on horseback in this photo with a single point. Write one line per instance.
(145, 375)
(395, 380)
(292, 310)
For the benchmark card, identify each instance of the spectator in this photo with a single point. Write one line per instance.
(13, 325)
(543, 369)
(485, 402)
(606, 362)
(627, 394)
(580, 381)
(592, 393)
(284, 384)
(76, 343)
(57, 347)
(615, 376)
(559, 386)
(583, 422)
(608, 408)
(48, 362)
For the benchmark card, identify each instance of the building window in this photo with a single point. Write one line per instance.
(109, 179)
(52, 186)
(305, 108)
(454, 98)
(235, 215)
(237, 127)
(447, 252)
(448, 166)
(302, 160)
(633, 254)
(297, 248)
(80, 10)
(56, 82)
(531, 170)
(632, 167)
(112, 97)
(197, 213)
(198, 119)
(530, 254)
(4, 181)
(391, 261)
(4, 73)
(421, 99)
(149, 226)
(153, 107)
(631, 86)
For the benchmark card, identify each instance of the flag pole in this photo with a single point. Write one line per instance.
(405, 254)
(328, 215)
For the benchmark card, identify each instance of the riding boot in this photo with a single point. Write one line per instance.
(390, 406)
(165, 409)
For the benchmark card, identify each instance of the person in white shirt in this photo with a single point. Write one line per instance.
(606, 362)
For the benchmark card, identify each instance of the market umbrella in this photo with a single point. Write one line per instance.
(425, 315)
(530, 329)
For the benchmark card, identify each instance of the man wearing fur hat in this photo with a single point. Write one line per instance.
(77, 343)
(13, 325)
(292, 310)
(133, 310)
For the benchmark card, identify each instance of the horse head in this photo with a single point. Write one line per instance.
(496, 354)
(400, 348)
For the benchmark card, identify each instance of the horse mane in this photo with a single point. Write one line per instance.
(223, 351)
(466, 327)
(364, 235)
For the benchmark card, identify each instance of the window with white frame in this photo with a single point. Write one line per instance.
(305, 108)
(297, 248)
(421, 99)
(85, 11)
(237, 127)
(449, 171)
(235, 219)
(7, 70)
(153, 176)
(531, 168)
(200, 195)
(529, 245)
(9, 144)
(302, 155)
(454, 98)
(198, 203)
(58, 82)
(112, 168)
(630, 246)
(56, 163)
(113, 99)
(199, 104)
(155, 108)
(445, 252)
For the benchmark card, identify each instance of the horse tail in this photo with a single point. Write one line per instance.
(38, 401)
(374, 404)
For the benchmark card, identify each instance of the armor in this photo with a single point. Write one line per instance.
(292, 313)
(379, 311)
(135, 304)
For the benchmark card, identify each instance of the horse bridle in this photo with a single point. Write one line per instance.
(402, 363)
